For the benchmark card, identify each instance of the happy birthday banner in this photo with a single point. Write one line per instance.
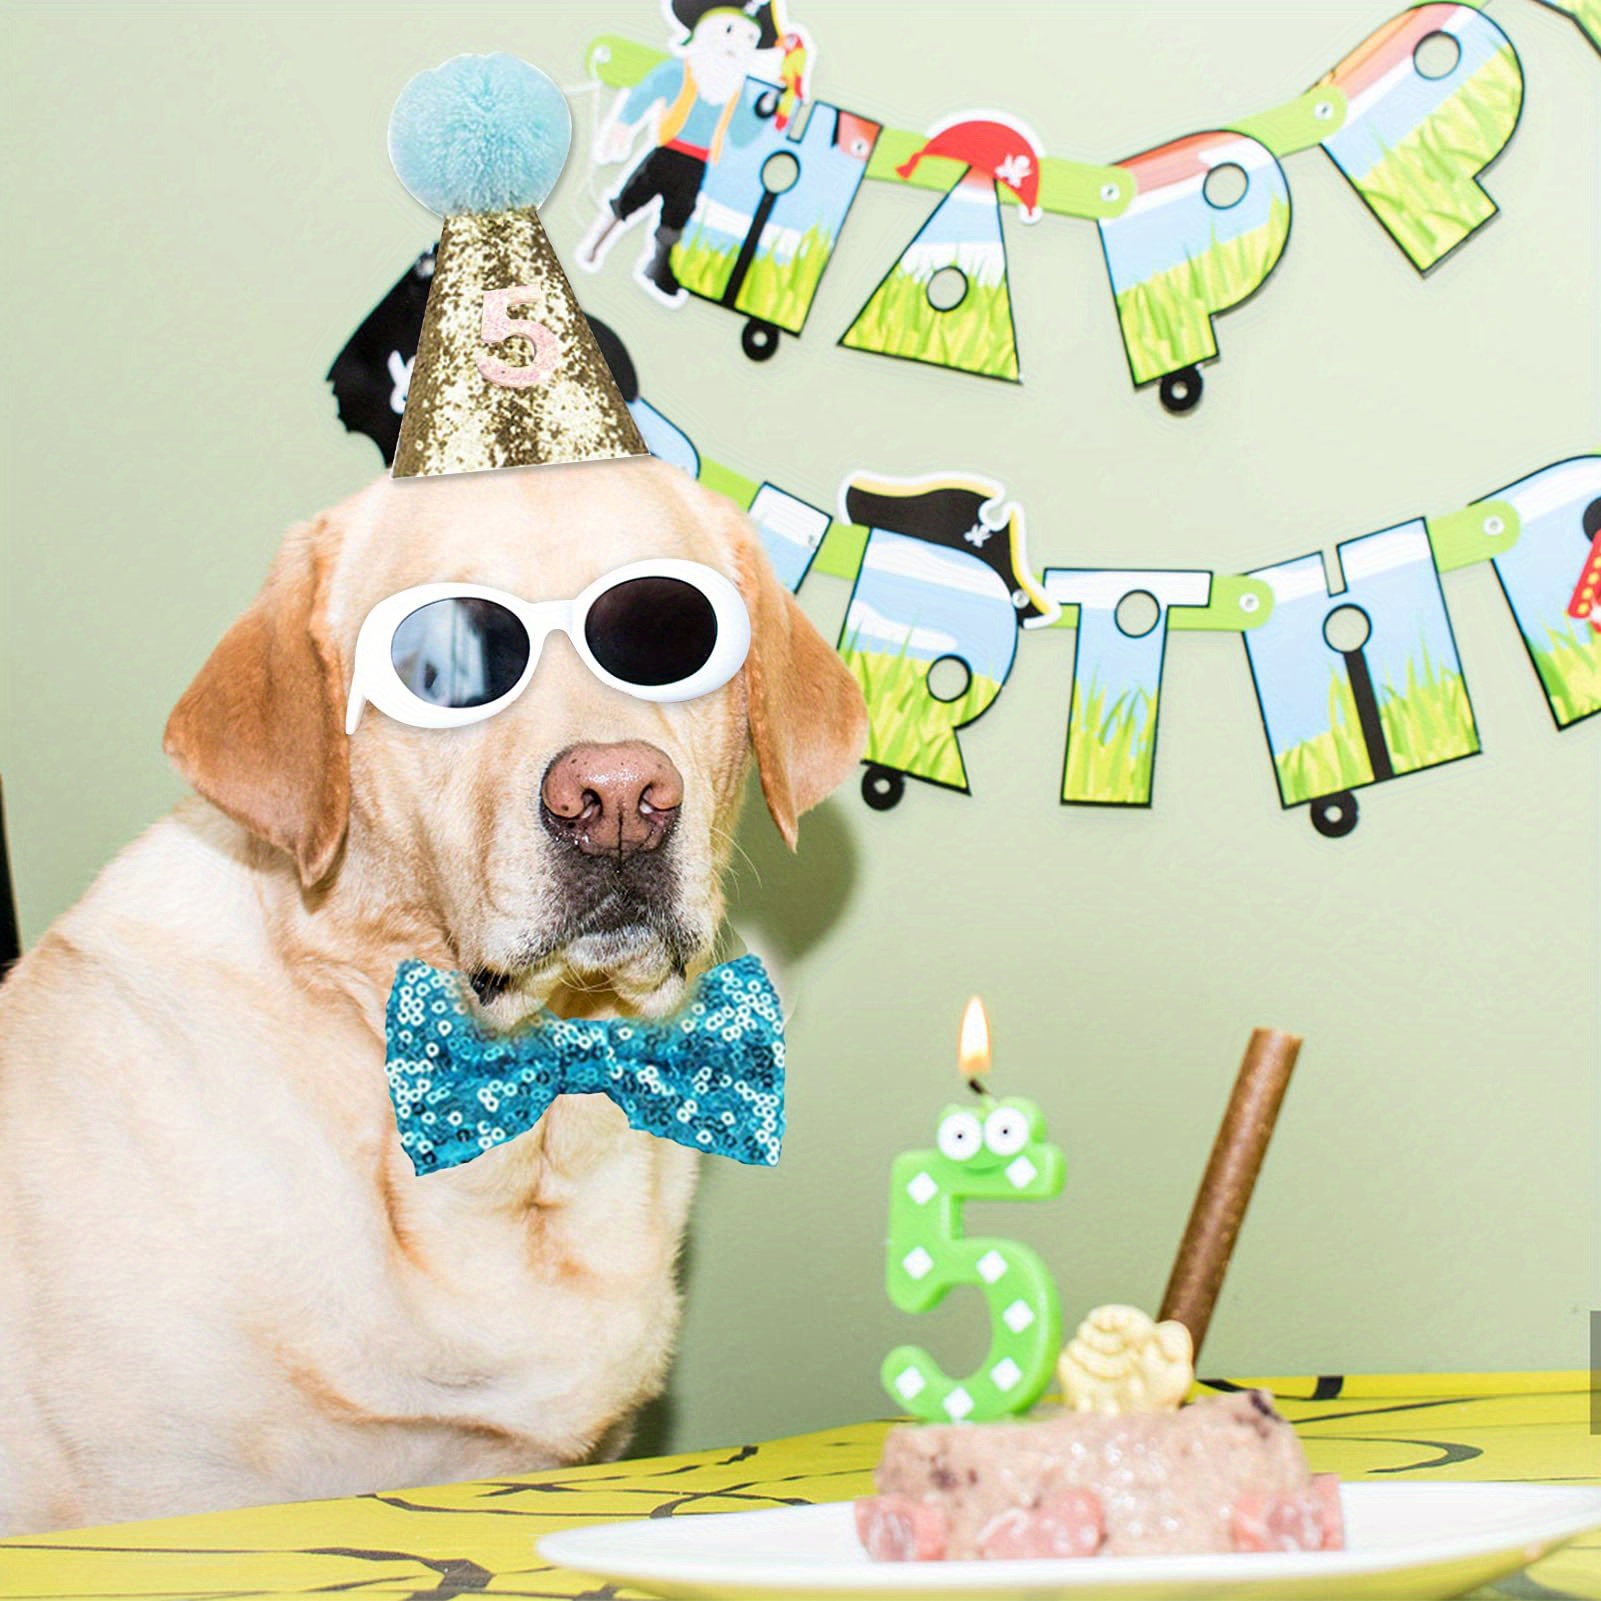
(1357, 675)
(1189, 230)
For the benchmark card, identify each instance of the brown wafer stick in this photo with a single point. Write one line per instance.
(1225, 1192)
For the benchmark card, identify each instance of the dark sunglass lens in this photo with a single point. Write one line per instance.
(651, 631)
(460, 652)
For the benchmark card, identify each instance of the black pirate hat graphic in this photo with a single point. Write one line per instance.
(962, 513)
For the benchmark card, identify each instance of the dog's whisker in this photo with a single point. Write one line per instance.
(728, 836)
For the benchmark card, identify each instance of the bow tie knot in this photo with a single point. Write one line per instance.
(711, 1078)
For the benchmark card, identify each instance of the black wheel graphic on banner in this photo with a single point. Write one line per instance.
(759, 340)
(1181, 391)
(882, 787)
(1334, 816)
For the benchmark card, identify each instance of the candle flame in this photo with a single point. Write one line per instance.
(973, 1050)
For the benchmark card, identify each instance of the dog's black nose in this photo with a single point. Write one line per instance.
(615, 799)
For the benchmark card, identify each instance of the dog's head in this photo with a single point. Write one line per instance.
(576, 837)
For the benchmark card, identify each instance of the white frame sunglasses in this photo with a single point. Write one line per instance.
(376, 681)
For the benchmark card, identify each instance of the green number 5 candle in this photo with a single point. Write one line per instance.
(995, 1150)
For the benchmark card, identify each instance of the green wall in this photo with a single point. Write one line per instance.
(198, 208)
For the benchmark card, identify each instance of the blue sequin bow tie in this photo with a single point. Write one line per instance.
(711, 1077)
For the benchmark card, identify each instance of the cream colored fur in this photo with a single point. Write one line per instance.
(220, 1281)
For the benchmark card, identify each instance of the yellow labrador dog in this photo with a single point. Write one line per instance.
(220, 1281)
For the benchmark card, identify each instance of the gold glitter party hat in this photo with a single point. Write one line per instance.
(507, 372)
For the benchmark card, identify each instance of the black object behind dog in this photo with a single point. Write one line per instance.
(10, 939)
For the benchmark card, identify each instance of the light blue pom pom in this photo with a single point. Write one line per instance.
(480, 133)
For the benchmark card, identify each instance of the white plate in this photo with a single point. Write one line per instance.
(1406, 1542)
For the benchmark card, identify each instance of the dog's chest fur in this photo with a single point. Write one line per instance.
(327, 1322)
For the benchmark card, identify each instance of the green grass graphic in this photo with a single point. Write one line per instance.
(1165, 318)
(975, 335)
(1110, 749)
(909, 729)
(1420, 189)
(1331, 761)
(778, 292)
(701, 267)
(1428, 722)
(1570, 669)
(1587, 13)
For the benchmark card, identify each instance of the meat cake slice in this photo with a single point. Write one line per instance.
(1224, 1474)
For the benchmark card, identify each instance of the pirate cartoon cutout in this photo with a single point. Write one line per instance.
(694, 97)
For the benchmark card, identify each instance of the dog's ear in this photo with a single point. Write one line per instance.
(808, 721)
(260, 731)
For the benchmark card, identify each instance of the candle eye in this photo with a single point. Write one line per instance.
(960, 1136)
(1006, 1131)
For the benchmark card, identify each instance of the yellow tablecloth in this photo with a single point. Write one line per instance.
(471, 1539)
